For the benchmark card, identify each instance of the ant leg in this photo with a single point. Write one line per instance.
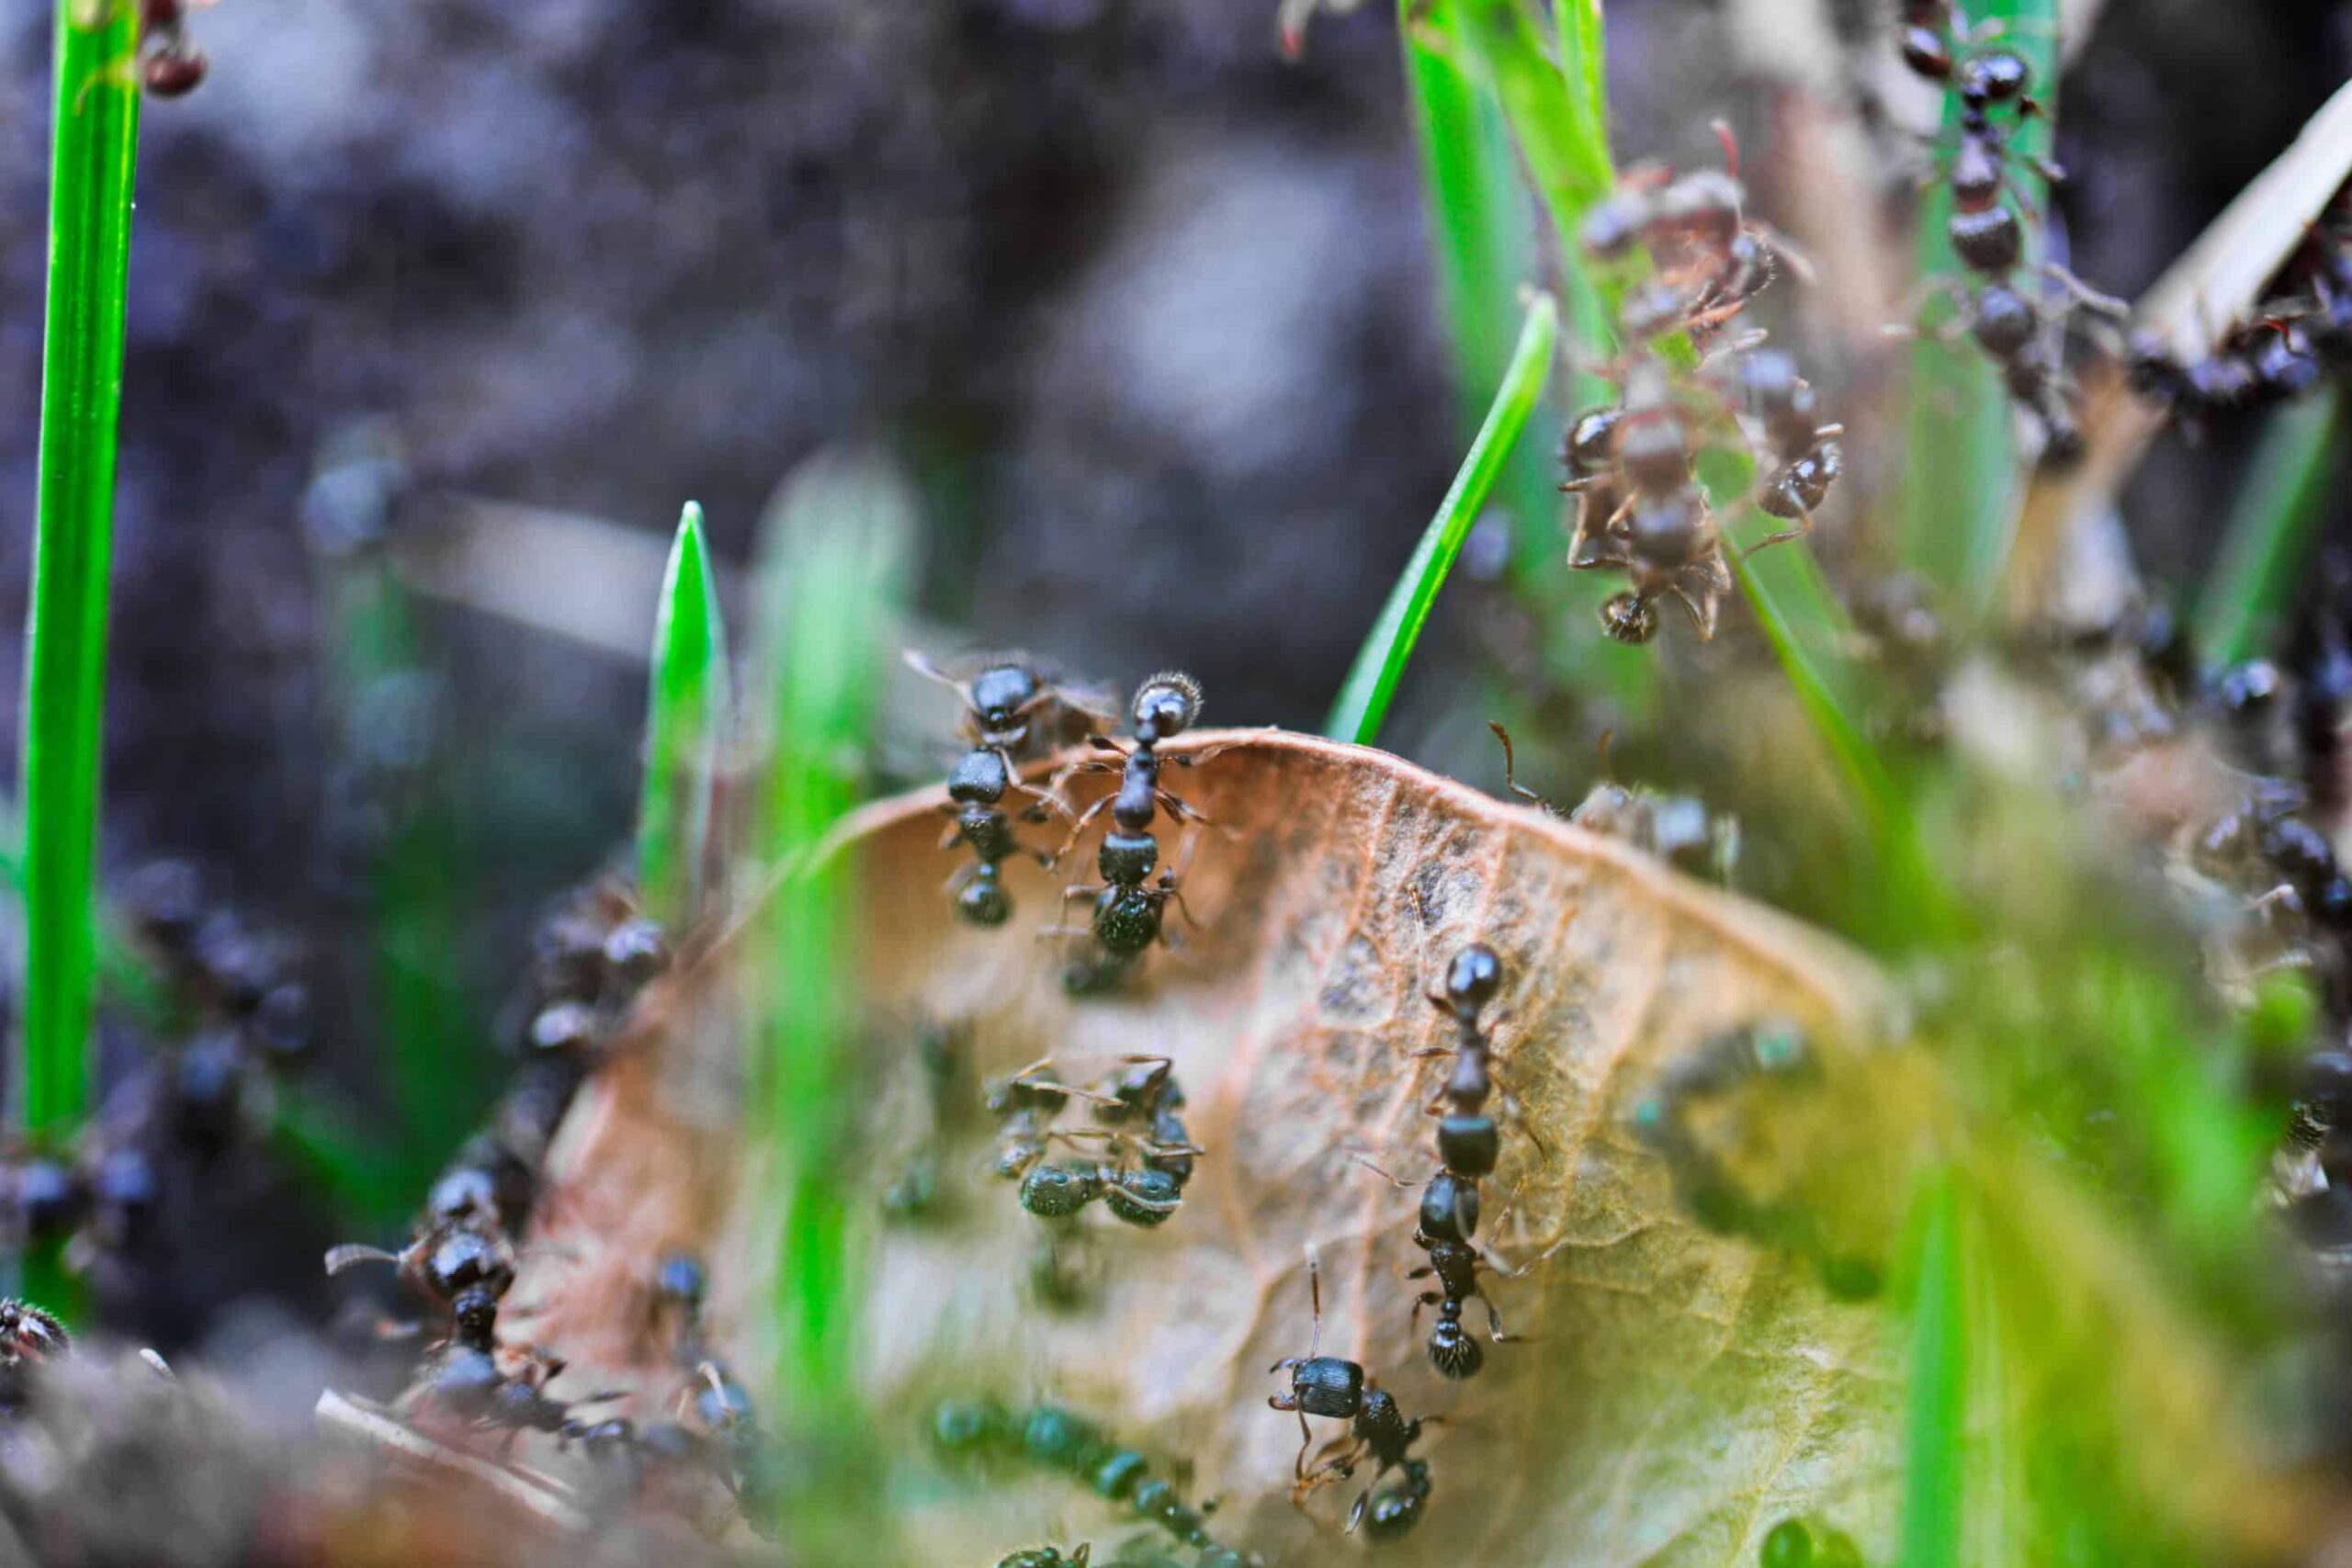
(1176, 806)
(342, 1258)
(1803, 527)
(1079, 825)
(1393, 1181)
(2085, 295)
(1510, 782)
(1585, 482)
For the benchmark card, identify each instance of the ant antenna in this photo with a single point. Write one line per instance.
(1315, 1296)
(1721, 128)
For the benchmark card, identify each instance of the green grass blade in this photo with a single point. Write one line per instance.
(1559, 118)
(1372, 683)
(1933, 1462)
(835, 553)
(1957, 513)
(96, 140)
(688, 707)
(2278, 507)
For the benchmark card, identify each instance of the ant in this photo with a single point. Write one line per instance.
(1667, 826)
(1660, 529)
(1810, 460)
(1012, 709)
(1711, 258)
(1342, 1390)
(170, 66)
(1127, 905)
(1469, 1145)
(32, 1337)
(1145, 1187)
(1048, 1557)
(914, 1194)
(449, 1255)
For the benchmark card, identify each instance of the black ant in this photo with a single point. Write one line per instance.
(448, 1258)
(1012, 709)
(1660, 528)
(1342, 1390)
(1128, 905)
(1147, 1184)
(1671, 827)
(1809, 459)
(169, 65)
(32, 1337)
(1711, 258)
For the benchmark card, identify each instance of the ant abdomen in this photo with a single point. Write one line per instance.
(1057, 1192)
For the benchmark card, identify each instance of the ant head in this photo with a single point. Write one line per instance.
(1628, 618)
(1166, 706)
(1924, 52)
(1997, 76)
(30, 1333)
(1002, 691)
(1584, 446)
(1474, 977)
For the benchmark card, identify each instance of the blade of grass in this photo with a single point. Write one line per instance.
(2269, 534)
(1962, 489)
(1372, 683)
(96, 149)
(688, 715)
(835, 551)
(1558, 116)
(1933, 1464)
(1480, 213)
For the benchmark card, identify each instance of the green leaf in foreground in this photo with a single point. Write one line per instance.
(685, 723)
(1934, 1460)
(97, 132)
(2270, 530)
(1372, 683)
(834, 559)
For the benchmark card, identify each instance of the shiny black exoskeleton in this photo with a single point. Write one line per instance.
(1469, 1145)
(1340, 1390)
(1013, 709)
(1129, 903)
(1809, 460)
(1137, 1111)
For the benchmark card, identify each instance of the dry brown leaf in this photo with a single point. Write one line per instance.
(1689, 1391)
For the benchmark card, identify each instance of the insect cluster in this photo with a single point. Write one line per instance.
(595, 956)
(2016, 314)
(1053, 1439)
(233, 1017)
(1137, 1122)
(2299, 330)
(1016, 710)
(1632, 462)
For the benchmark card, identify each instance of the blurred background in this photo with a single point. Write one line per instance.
(439, 311)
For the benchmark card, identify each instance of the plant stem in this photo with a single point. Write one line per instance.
(1371, 684)
(1958, 510)
(2269, 534)
(97, 138)
(687, 719)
